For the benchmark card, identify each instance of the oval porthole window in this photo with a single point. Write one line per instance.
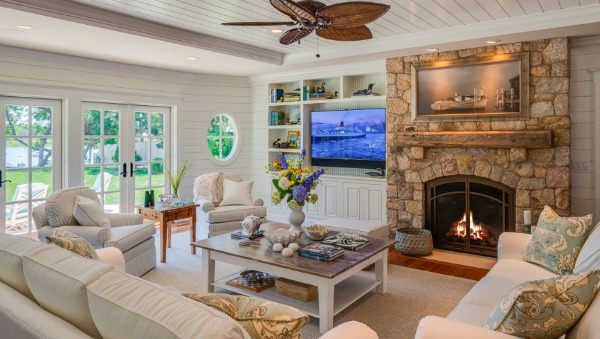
(222, 137)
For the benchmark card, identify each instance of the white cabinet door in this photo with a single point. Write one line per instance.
(374, 203)
(353, 201)
(330, 199)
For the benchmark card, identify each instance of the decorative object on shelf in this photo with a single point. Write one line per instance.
(277, 144)
(274, 118)
(365, 92)
(176, 177)
(348, 241)
(167, 199)
(280, 117)
(342, 21)
(281, 236)
(251, 225)
(253, 276)
(294, 183)
(322, 88)
(292, 137)
(316, 232)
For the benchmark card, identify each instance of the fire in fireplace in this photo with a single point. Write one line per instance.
(468, 213)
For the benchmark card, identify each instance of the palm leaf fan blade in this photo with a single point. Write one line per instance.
(260, 23)
(293, 10)
(346, 34)
(294, 35)
(352, 14)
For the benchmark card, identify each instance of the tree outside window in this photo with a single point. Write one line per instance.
(222, 137)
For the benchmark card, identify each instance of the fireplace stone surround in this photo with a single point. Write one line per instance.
(538, 171)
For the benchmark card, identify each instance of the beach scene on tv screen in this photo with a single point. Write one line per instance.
(350, 134)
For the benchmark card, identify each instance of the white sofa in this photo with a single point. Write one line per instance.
(49, 292)
(471, 313)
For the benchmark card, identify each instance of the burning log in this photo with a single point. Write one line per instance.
(479, 234)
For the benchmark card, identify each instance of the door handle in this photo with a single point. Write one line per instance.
(3, 181)
(131, 169)
(124, 173)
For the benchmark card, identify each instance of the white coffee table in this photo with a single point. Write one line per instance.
(338, 284)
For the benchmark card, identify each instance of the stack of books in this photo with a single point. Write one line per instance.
(275, 94)
(321, 252)
(291, 96)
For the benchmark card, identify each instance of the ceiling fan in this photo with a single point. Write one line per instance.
(343, 22)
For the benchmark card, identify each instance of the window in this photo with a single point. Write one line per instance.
(222, 137)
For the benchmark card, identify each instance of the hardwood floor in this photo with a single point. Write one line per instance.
(455, 270)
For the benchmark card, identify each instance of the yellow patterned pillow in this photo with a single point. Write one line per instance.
(73, 243)
(260, 318)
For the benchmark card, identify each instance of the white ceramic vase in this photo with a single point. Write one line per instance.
(296, 218)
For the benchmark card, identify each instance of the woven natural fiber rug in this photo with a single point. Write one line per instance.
(411, 295)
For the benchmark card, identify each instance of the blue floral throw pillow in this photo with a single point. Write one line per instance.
(557, 241)
(545, 308)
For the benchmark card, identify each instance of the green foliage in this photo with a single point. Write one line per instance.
(175, 178)
(115, 157)
(17, 124)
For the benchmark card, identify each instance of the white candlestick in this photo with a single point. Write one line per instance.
(527, 217)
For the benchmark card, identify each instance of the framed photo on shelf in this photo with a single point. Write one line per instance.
(490, 86)
(293, 156)
(292, 137)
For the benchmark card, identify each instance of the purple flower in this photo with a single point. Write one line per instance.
(303, 153)
(300, 193)
(283, 162)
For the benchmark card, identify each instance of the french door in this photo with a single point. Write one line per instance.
(30, 158)
(125, 151)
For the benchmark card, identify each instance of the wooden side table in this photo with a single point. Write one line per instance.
(166, 214)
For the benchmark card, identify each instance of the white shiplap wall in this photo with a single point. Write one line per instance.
(194, 99)
(585, 57)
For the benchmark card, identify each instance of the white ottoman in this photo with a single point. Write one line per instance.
(365, 228)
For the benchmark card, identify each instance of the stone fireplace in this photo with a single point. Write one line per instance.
(467, 213)
(524, 161)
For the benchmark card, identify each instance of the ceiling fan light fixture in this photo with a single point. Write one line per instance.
(192, 58)
(24, 27)
(491, 42)
(432, 49)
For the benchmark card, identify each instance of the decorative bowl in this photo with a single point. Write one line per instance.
(253, 276)
(316, 232)
(281, 236)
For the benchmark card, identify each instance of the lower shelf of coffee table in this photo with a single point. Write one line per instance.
(346, 293)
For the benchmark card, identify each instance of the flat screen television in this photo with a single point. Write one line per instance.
(348, 138)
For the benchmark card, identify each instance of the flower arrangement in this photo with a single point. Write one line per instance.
(294, 182)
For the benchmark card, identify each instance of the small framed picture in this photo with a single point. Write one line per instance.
(292, 156)
(293, 137)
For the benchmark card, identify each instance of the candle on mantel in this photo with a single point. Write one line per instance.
(527, 217)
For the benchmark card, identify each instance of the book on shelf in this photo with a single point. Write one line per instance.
(320, 251)
(289, 97)
(275, 94)
(274, 118)
(307, 91)
(241, 235)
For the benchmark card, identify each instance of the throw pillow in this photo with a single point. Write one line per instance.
(544, 308)
(589, 257)
(88, 212)
(208, 187)
(557, 241)
(237, 193)
(73, 243)
(260, 318)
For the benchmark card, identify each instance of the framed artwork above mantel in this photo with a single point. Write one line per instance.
(481, 88)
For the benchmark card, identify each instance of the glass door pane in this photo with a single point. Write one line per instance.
(102, 159)
(32, 144)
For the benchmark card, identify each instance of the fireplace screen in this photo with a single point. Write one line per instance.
(468, 213)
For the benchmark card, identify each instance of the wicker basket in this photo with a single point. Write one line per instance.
(295, 289)
(414, 241)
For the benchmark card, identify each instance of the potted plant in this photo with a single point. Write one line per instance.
(176, 177)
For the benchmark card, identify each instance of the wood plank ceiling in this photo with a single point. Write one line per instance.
(405, 17)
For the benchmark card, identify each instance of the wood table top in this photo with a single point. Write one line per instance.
(260, 250)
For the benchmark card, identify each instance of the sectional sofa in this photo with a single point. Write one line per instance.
(49, 292)
(467, 319)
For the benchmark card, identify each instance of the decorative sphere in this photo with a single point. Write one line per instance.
(287, 252)
(294, 246)
(277, 247)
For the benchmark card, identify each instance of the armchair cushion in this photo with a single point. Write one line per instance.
(88, 212)
(125, 219)
(72, 242)
(205, 206)
(208, 187)
(233, 213)
(96, 236)
(126, 237)
(59, 206)
(237, 193)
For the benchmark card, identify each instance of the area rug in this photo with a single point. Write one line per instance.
(412, 294)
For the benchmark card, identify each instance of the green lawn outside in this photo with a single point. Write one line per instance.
(90, 175)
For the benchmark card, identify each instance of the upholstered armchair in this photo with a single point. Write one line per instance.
(224, 200)
(126, 231)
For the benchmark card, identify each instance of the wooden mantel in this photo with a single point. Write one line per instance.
(487, 139)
